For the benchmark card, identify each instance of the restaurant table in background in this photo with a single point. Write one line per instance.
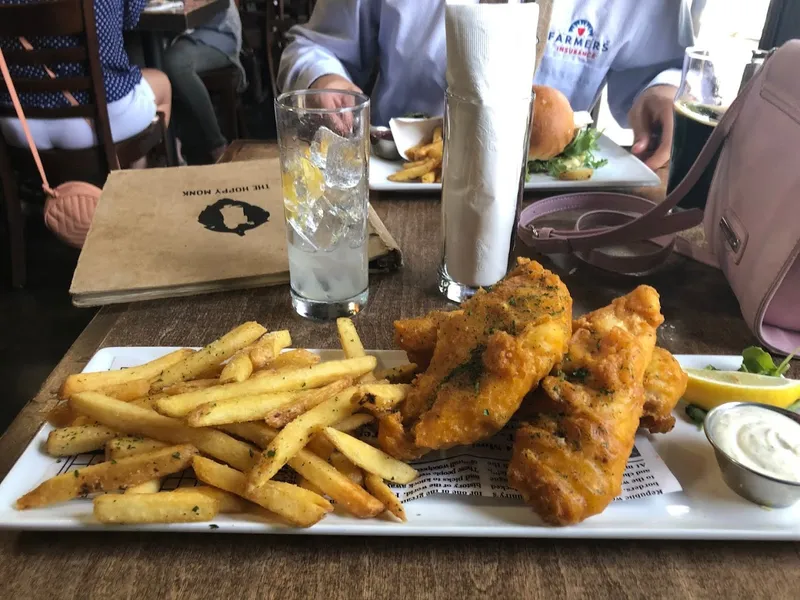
(702, 316)
(159, 27)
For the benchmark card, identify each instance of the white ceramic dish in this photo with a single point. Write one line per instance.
(706, 509)
(623, 170)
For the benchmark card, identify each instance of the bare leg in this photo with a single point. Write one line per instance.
(162, 89)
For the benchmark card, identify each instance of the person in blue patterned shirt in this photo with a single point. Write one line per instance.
(133, 95)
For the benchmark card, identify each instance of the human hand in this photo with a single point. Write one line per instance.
(652, 114)
(334, 101)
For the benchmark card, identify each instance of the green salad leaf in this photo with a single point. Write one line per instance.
(579, 153)
(756, 360)
(416, 115)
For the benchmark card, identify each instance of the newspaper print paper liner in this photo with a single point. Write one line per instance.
(705, 509)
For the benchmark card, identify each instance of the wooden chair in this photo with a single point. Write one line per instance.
(57, 18)
(280, 17)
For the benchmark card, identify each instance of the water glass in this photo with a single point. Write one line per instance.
(324, 153)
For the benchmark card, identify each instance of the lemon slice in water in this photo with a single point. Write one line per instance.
(708, 389)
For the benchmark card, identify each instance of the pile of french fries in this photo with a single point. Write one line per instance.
(237, 412)
(425, 164)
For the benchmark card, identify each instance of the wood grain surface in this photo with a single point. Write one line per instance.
(702, 316)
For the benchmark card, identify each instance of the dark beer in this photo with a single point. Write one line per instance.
(694, 124)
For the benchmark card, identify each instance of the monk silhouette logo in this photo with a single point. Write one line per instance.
(232, 216)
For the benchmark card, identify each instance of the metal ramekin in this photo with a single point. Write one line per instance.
(383, 143)
(749, 484)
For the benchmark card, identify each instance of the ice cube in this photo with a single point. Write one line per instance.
(324, 138)
(344, 165)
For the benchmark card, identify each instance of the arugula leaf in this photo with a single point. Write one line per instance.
(696, 414)
(416, 115)
(579, 153)
(710, 368)
(756, 360)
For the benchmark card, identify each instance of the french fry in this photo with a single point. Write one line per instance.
(353, 422)
(322, 476)
(580, 174)
(215, 353)
(298, 379)
(127, 390)
(238, 410)
(68, 441)
(412, 152)
(239, 368)
(148, 487)
(429, 177)
(82, 421)
(228, 503)
(297, 505)
(319, 445)
(268, 347)
(401, 374)
(189, 386)
(295, 359)
(109, 476)
(315, 474)
(437, 134)
(351, 343)
(307, 485)
(382, 397)
(124, 446)
(304, 402)
(413, 172)
(296, 434)
(431, 150)
(61, 415)
(371, 459)
(133, 420)
(342, 464)
(83, 382)
(384, 493)
(415, 163)
(163, 507)
(258, 433)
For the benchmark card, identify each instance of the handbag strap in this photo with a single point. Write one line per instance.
(12, 91)
(613, 219)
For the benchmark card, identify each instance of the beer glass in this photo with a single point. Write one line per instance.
(710, 82)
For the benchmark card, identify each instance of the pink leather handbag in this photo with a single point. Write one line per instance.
(69, 208)
(751, 219)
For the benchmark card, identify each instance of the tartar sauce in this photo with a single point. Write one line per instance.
(761, 439)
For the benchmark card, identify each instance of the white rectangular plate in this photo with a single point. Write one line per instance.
(623, 170)
(706, 509)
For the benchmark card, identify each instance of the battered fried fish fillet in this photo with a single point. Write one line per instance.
(486, 359)
(418, 336)
(569, 459)
(664, 384)
(664, 380)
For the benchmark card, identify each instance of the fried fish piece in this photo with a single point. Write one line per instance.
(569, 459)
(418, 336)
(486, 359)
(664, 384)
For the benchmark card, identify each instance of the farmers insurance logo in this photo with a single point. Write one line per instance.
(578, 41)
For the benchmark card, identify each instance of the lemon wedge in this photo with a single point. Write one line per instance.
(708, 389)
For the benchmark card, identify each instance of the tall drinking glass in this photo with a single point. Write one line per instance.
(324, 149)
(710, 82)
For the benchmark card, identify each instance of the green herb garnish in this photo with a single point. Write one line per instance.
(696, 414)
(270, 453)
(416, 115)
(485, 412)
(176, 455)
(756, 360)
(578, 154)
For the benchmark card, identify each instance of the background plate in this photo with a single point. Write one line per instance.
(623, 170)
(706, 509)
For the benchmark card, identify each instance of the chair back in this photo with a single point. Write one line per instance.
(281, 16)
(59, 18)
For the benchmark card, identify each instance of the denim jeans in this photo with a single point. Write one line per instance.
(193, 113)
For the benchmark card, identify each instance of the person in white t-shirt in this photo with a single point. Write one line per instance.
(635, 47)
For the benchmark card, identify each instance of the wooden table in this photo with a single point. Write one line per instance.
(702, 317)
(158, 27)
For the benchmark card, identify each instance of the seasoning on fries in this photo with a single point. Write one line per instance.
(204, 409)
(425, 164)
